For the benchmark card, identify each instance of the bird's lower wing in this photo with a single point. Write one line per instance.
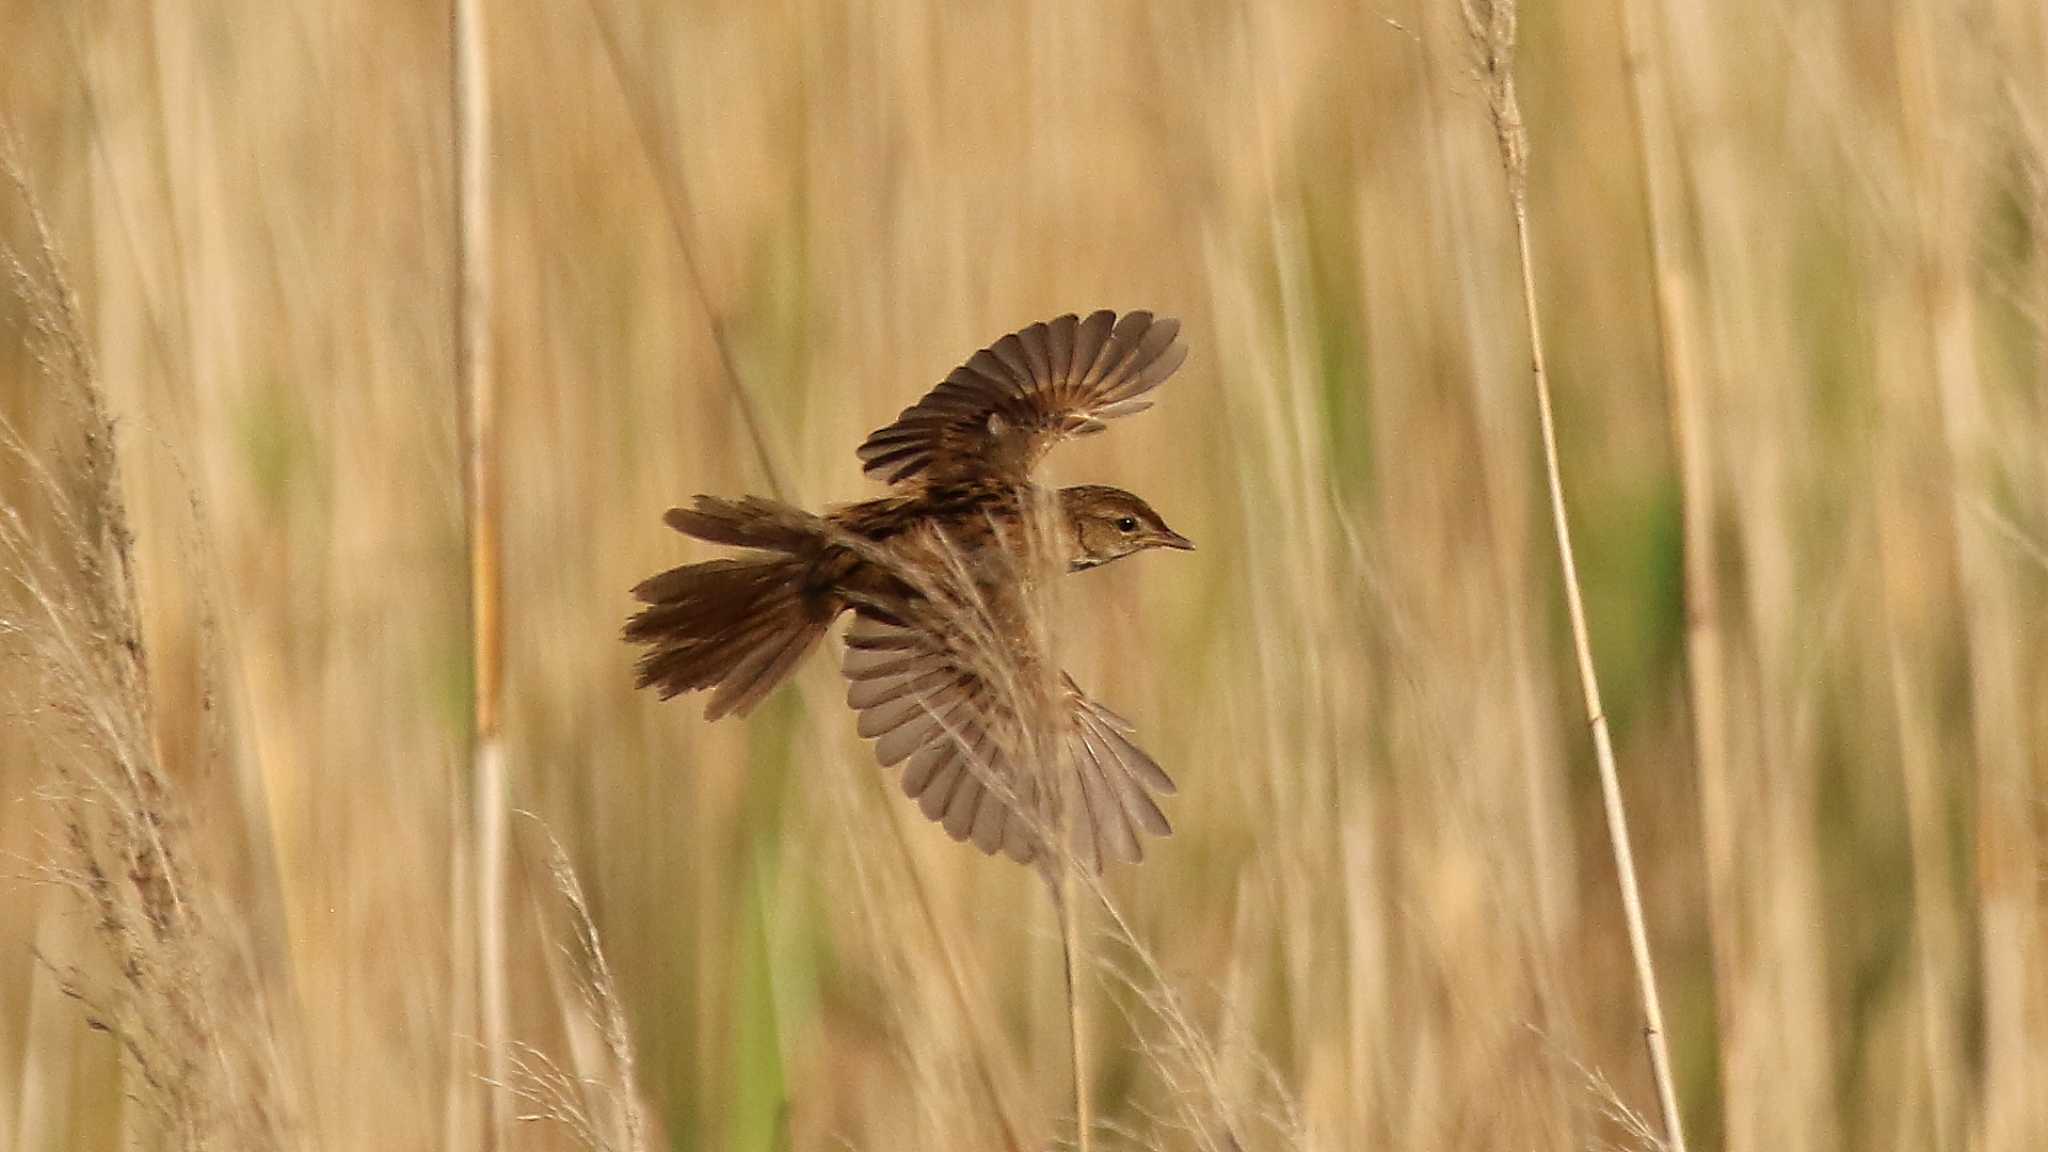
(956, 715)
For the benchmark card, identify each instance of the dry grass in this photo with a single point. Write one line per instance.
(1794, 293)
(172, 984)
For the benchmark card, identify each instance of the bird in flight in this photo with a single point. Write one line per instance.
(944, 659)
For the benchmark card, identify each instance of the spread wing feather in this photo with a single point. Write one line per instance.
(997, 415)
(927, 709)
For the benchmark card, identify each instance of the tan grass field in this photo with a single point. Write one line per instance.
(1791, 262)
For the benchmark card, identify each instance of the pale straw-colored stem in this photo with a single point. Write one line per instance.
(470, 100)
(1492, 29)
(1603, 744)
(956, 982)
(1062, 890)
(1658, 147)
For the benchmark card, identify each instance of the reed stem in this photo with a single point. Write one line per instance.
(470, 100)
(1062, 890)
(1492, 29)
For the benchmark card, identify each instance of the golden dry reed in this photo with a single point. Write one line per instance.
(1794, 299)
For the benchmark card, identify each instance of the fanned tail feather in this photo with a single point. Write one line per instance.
(734, 626)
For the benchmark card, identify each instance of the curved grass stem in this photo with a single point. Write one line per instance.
(1061, 888)
(1491, 27)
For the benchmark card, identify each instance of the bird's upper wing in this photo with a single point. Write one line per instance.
(996, 415)
(930, 705)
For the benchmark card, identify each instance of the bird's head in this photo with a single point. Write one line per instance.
(1109, 523)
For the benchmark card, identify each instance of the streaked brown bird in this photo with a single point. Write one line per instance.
(944, 651)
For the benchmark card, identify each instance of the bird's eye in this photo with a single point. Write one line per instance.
(1127, 524)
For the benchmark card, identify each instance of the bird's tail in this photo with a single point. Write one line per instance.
(737, 626)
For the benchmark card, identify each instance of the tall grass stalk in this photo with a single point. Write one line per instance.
(1061, 888)
(675, 198)
(1658, 146)
(477, 387)
(897, 815)
(1936, 106)
(1492, 27)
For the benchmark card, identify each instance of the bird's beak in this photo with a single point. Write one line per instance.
(1168, 538)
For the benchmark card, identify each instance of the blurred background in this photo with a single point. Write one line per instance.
(1792, 266)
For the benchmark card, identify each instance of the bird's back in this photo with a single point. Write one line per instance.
(978, 527)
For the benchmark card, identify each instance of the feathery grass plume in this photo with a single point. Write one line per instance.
(1491, 26)
(1207, 1105)
(174, 990)
(595, 1097)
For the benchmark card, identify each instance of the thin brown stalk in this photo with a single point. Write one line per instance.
(949, 959)
(599, 1100)
(1186, 1059)
(1062, 891)
(1492, 30)
(470, 97)
(675, 197)
(1934, 936)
